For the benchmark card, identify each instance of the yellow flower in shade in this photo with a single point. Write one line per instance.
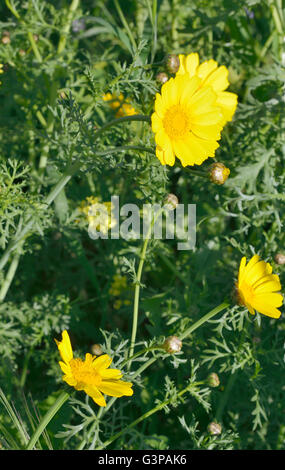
(98, 214)
(258, 289)
(119, 104)
(91, 375)
(186, 122)
(213, 76)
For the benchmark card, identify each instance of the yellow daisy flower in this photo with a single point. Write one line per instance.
(91, 375)
(213, 76)
(258, 289)
(186, 122)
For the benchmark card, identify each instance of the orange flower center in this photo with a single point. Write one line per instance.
(84, 372)
(176, 122)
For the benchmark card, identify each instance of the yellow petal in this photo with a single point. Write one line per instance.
(156, 122)
(218, 79)
(266, 309)
(192, 63)
(64, 347)
(200, 101)
(111, 374)
(116, 388)
(206, 68)
(96, 395)
(188, 88)
(102, 362)
(182, 65)
(241, 269)
(228, 103)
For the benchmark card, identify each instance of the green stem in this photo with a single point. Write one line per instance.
(146, 415)
(10, 275)
(63, 397)
(205, 318)
(225, 397)
(126, 148)
(65, 30)
(114, 122)
(30, 34)
(138, 285)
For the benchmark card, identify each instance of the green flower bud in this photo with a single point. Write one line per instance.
(172, 344)
(161, 77)
(214, 428)
(213, 380)
(171, 202)
(218, 173)
(172, 63)
(280, 258)
(96, 349)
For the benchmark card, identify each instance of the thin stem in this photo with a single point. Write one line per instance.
(114, 122)
(126, 148)
(205, 318)
(10, 275)
(225, 396)
(30, 34)
(65, 30)
(63, 397)
(146, 415)
(138, 285)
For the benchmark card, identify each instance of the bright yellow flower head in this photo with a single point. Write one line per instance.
(91, 375)
(211, 76)
(258, 289)
(186, 122)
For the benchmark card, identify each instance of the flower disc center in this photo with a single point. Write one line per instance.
(84, 372)
(176, 122)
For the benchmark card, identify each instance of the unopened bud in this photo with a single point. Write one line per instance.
(162, 77)
(173, 63)
(172, 344)
(280, 258)
(171, 202)
(96, 349)
(213, 380)
(22, 52)
(6, 40)
(218, 173)
(214, 428)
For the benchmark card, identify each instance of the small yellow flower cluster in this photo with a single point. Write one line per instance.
(119, 288)
(98, 214)
(119, 104)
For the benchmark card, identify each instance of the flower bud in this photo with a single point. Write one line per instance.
(172, 63)
(171, 202)
(172, 344)
(213, 380)
(214, 428)
(6, 40)
(96, 349)
(161, 77)
(218, 173)
(280, 258)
